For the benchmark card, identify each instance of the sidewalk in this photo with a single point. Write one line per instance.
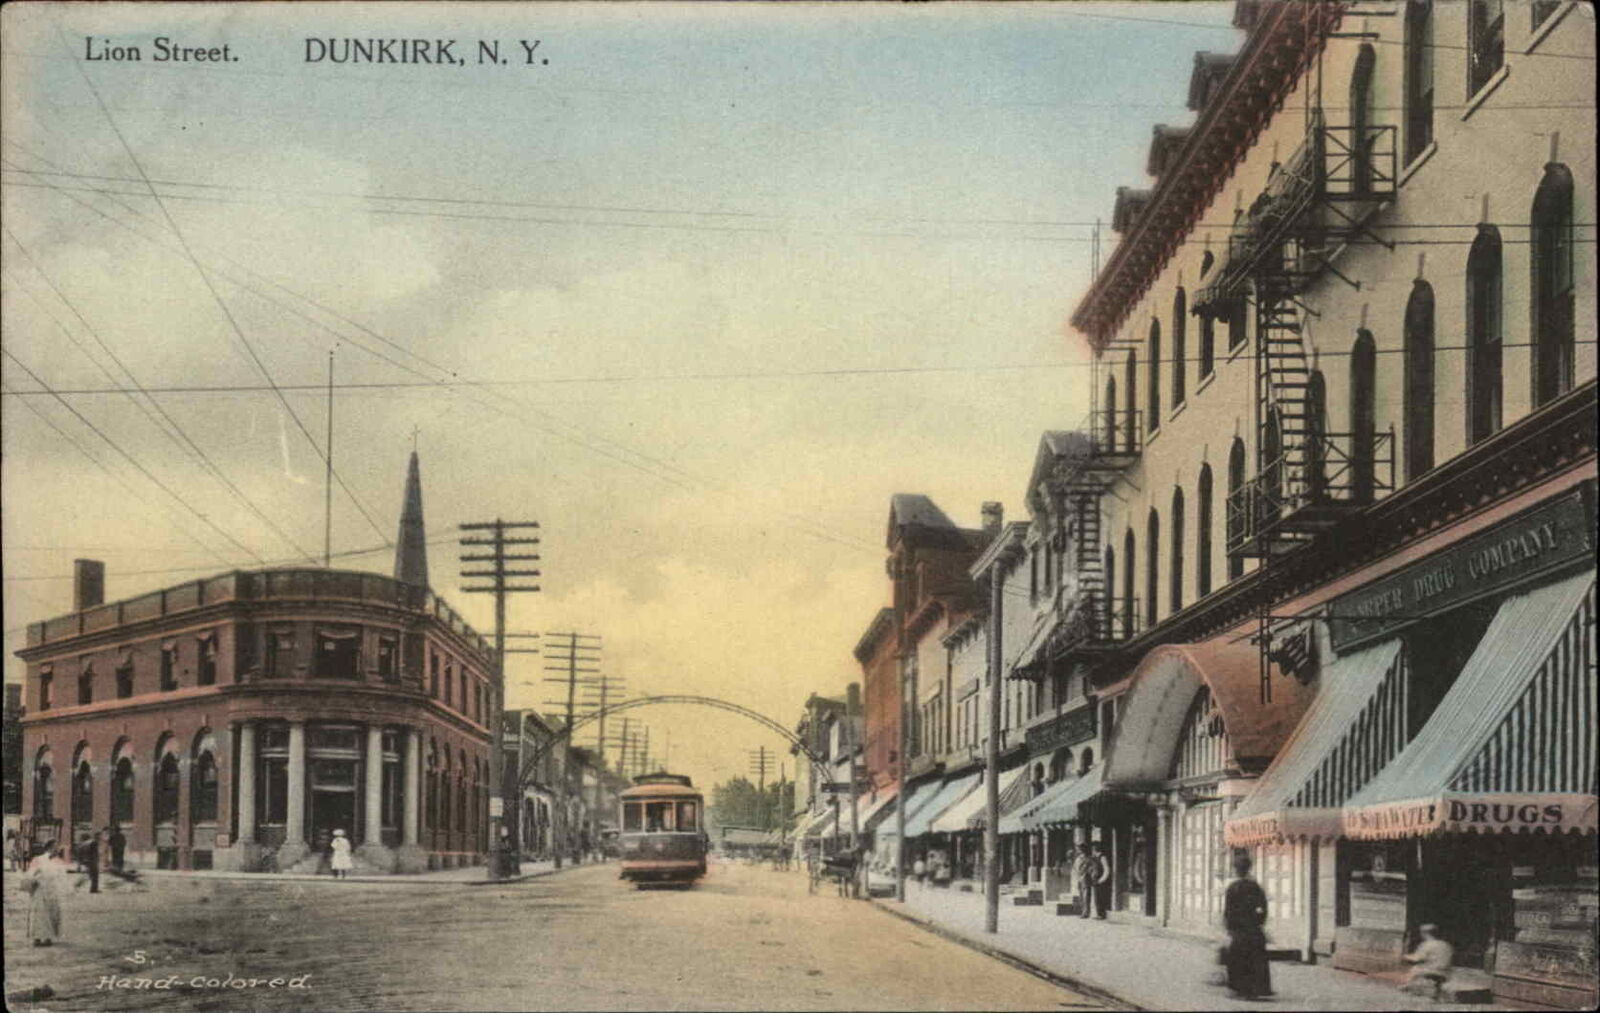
(472, 875)
(1144, 967)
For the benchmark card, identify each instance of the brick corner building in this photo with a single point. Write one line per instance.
(236, 721)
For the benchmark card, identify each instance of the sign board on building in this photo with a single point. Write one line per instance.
(1068, 729)
(1535, 542)
(497, 807)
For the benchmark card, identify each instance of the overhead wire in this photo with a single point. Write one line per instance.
(216, 296)
(182, 438)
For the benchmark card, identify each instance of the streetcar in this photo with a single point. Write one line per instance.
(663, 832)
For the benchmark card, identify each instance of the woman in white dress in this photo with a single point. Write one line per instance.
(342, 862)
(46, 876)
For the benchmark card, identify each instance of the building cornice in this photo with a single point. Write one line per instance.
(1281, 45)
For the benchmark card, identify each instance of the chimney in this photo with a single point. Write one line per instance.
(994, 514)
(88, 584)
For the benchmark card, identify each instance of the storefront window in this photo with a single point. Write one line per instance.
(166, 790)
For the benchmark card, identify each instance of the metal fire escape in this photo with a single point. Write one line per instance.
(1315, 204)
(1099, 621)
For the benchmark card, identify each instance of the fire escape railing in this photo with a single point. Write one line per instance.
(1290, 501)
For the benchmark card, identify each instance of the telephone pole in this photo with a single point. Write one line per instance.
(569, 652)
(502, 853)
(759, 761)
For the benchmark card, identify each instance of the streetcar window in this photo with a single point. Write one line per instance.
(658, 817)
(632, 816)
(686, 816)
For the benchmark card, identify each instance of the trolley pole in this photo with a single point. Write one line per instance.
(502, 863)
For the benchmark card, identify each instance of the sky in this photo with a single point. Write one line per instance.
(696, 288)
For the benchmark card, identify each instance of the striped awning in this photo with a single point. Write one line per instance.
(920, 796)
(870, 816)
(969, 812)
(1063, 807)
(1355, 724)
(1511, 747)
(953, 790)
(1026, 816)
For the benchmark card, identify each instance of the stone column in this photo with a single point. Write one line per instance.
(1166, 852)
(412, 820)
(246, 778)
(295, 824)
(373, 823)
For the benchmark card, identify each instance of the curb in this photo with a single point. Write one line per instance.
(1056, 978)
(394, 880)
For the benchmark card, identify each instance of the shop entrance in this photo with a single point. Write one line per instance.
(333, 799)
(1465, 889)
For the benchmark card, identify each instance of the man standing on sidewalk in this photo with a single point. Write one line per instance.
(1087, 872)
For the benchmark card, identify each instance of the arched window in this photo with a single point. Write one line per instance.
(1110, 592)
(1202, 547)
(1111, 420)
(166, 789)
(1484, 354)
(1208, 343)
(1237, 508)
(1363, 415)
(1127, 585)
(1180, 324)
(1206, 260)
(44, 786)
(1316, 471)
(1361, 119)
(1152, 567)
(1552, 285)
(1130, 386)
(1486, 42)
(83, 793)
(122, 789)
(1175, 578)
(1419, 368)
(1153, 394)
(203, 789)
(1418, 77)
(1085, 760)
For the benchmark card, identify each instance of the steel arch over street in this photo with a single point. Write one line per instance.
(680, 698)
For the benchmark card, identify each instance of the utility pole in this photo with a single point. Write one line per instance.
(759, 760)
(502, 863)
(569, 651)
(991, 748)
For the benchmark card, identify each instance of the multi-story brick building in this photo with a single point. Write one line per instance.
(238, 720)
(1339, 502)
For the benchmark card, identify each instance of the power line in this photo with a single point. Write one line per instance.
(210, 287)
(134, 461)
(193, 449)
(102, 466)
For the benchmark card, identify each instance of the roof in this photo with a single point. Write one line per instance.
(916, 519)
(880, 625)
(1209, 68)
(1165, 142)
(1055, 445)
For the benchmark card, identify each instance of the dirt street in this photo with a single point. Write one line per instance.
(743, 939)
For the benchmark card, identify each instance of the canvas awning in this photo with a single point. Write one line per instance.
(1063, 806)
(870, 816)
(822, 826)
(1026, 816)
(949, 793)
(1511, 747)
(968, 813)
(920, 796)
(1300, 793)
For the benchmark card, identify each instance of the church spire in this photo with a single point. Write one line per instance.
(411, 546)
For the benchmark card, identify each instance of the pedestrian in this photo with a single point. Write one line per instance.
(1432, 957)
(89, 860)
(1084, 872)
(17, 850)
(339, 850)
(1102, 882)
(1244, 915)
(119, 846)
(918, 870)
(46, 875)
